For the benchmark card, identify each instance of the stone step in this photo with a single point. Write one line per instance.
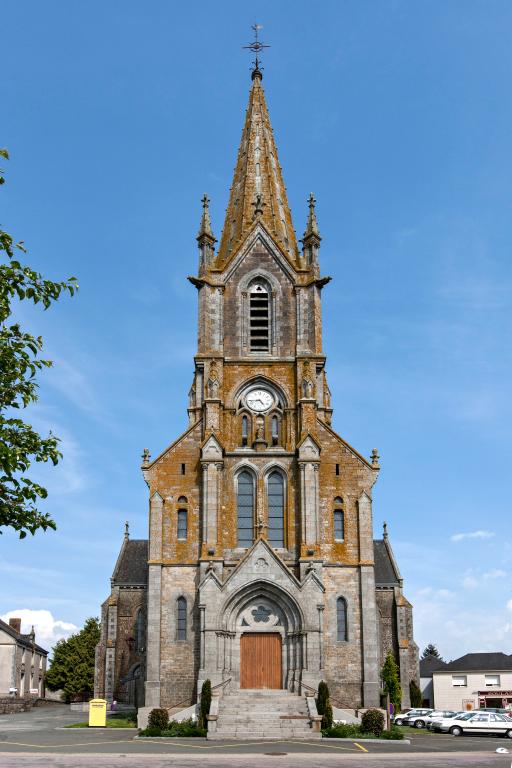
(249, 735)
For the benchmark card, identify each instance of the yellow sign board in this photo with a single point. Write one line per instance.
(98, 713)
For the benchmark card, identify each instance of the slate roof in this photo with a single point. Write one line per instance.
(132, 564)
(429, 665)
(479, 662)
(23, 640)
(386, 573)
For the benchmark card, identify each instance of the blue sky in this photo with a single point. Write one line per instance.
(119, 115)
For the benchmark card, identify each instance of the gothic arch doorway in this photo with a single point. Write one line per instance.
(263, 637)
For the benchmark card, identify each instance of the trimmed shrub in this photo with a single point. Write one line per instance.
(372, 721)
(327, 716)
(323, 697)
(204, 707)
(150, 732)
(185, 728)
(158, 718)
(394, 734)
(342, 732)
(415, 694)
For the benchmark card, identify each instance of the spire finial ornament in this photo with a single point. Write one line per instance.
(312, 223)
(145, 457)
(126, 530)
(385, 529)
(375, 459)
(205, 227)
(256, 46)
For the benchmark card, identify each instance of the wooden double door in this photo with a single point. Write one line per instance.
(261, 660)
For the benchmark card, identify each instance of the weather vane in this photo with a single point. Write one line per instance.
(256, 46)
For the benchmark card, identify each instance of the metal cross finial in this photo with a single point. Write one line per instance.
(311, 200)
(385, 530)
(256, 46)
(126, 529)
(205, 201)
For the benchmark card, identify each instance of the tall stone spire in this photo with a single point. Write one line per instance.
(258, 192)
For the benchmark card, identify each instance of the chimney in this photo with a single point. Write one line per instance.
(15, 624)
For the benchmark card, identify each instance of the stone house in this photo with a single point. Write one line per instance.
(260, 515)
(473, 681)
(22, 662)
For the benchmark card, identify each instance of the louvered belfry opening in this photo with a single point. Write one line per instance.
(259, 307)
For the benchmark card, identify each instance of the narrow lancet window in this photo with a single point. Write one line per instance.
(181, 619)
(275, 430)
(245, 509)
(339, 520)
(259, 318)
(341, 615)
(276, 509)
(182, 524)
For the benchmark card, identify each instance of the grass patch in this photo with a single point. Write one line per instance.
(355, 732)
(114, 721)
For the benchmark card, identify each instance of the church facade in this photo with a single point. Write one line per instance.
(260, 569)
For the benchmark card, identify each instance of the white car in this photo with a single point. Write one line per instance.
(413, 713)
(423, 721)
(474, 722)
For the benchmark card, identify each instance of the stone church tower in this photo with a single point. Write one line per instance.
(261, 570)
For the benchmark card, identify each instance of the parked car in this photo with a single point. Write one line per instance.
(433, 719)
(399, 719)
(422, 721)
(474, 722)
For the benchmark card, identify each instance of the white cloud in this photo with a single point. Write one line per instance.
(472, 535)
(495, 573)
(469, 582)
(509, 605)
(48, 629)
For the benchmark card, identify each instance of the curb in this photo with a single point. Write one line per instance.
(370, 741)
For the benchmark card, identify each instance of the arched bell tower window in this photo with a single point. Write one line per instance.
(275, 490)
(341, 619)
(245, 509)
(259, 317)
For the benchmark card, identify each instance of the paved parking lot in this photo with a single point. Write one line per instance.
(38, 739)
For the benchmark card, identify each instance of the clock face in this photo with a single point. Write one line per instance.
(259, 400)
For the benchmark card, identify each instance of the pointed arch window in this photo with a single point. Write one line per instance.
(275, 489)
(245, 430)
(275, 430)
(245, 509)
(339, 519)
(259, 317)
(182, 524)
(341, 619)
(181, 619)
(139, 630)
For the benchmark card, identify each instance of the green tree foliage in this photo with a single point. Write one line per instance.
(20, 445)
(72, 667)
(391, 680)
(372, 721)
(204, 707)
(431, 650)
(158, 719)
(415, 694)
(323, 705)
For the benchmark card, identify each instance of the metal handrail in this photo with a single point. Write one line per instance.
(334, 701)
(222, 683)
